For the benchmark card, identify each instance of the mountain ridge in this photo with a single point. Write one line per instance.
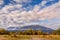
(34, 27)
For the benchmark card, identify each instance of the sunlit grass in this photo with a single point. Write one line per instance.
(19, 37)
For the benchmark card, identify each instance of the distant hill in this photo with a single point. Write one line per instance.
(34, 27)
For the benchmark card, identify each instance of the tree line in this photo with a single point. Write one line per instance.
(29, 32)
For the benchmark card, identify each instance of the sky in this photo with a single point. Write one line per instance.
(19, 13)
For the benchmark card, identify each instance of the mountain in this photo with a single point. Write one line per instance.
(34, 27)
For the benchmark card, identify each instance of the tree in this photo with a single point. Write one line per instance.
(4, 32)
(56, 32)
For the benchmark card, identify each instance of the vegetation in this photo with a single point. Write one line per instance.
(28, 32)
(4, 32)
(30, 37)
(56, 32)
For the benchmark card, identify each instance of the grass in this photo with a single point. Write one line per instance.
(21, 37)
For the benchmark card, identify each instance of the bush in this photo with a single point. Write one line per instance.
(25, 32)
(56, 32)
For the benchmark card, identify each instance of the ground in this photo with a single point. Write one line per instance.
(30, 37)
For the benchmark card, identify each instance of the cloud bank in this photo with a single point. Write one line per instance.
(16, 16)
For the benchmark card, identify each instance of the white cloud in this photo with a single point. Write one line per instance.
(51, 12)
(1, 2)
(22, 17)
(9, 8)
(43, 3)
(23, 1)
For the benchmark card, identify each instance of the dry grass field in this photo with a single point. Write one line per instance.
(30, 37)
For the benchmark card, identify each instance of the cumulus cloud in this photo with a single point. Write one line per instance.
(51, 12)
(15, 15)
(9, 8)
(43, 3)
(23, 1)
(1, 2)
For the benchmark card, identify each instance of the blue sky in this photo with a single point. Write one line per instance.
(26, 12)
(32, 3)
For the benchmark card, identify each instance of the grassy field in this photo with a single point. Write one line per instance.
(30, 37)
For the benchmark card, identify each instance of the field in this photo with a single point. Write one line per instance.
(30, 37)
